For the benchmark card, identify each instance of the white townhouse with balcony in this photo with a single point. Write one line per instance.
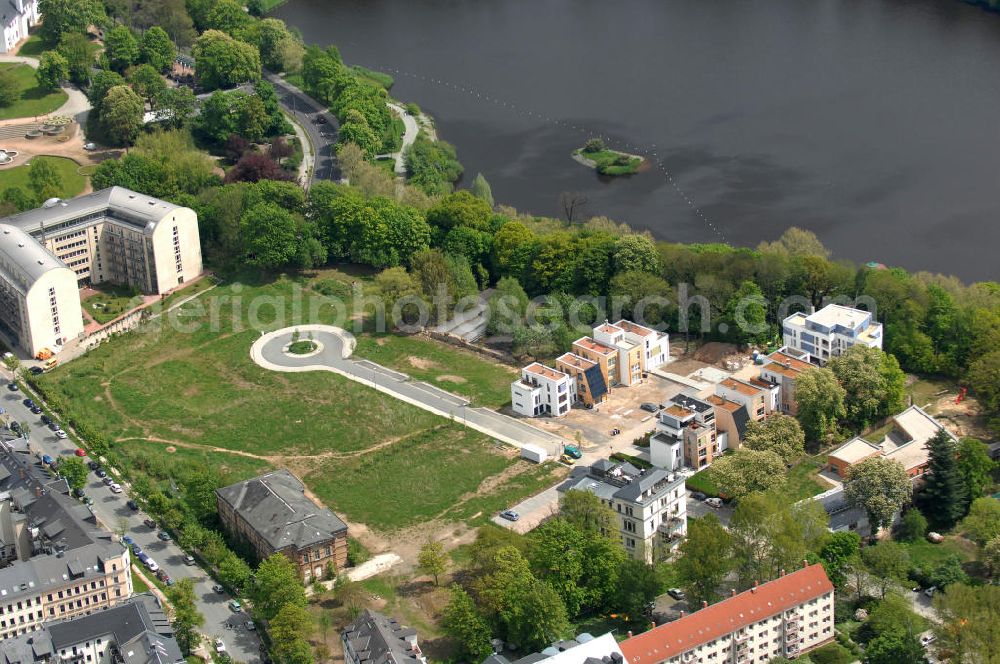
(542, 390)
(654, 347)
(830, 331)
(651, 504)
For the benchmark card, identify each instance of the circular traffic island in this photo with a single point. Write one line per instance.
(303, 347)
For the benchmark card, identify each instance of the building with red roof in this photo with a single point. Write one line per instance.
(786, 617)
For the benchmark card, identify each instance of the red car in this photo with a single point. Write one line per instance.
(80, 452)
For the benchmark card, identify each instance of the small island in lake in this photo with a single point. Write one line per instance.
(595, 154)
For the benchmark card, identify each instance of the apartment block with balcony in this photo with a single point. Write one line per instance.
(631, 354)
(731, 420)
(651, 505)
(754, 396)
(134, 632)
(781, 368)
(604, 355)
(590, 386)
(273, 514)
(827, 333)
(786, 617)
(655, 346)
(542, 390)
(686, 435)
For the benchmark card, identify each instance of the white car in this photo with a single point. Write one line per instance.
(151, 565)
(714, 502)
(115, 488)
(220, 647)
(89, 147)
(927, 639)
(61, 434)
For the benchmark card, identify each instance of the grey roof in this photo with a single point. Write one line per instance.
(741, 417)
(378, 639)
(138, 627)
(23, 260)
(692, 403)
(117, 203)
(621, 481)
(276, 507)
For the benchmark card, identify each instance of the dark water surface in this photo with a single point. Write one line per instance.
(874, 123)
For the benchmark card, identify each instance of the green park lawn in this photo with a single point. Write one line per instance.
(802, 481)
(485, 383)
(169, 395)
(72, 182)
(34, 101)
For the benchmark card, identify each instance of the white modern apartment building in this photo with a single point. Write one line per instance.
(542, 390)
(830, 331)
(651, 505)
(786, 617)
(626, 335)
(781, 369)
(17, 16)
(686, 435)
(114, 235)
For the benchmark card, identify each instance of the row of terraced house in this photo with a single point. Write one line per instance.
(617, 354)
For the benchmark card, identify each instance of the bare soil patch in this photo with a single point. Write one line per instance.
(451, 379)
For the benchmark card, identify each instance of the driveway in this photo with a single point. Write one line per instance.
(110, 508)
(322, 135)
(409, 135)
(532, 511)
(336, 346)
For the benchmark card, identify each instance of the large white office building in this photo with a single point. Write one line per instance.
(827, 333)
(114, 235)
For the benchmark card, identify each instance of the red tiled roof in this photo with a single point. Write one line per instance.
(669, 640)
(542, 370)
(594, 345)
(634, 328)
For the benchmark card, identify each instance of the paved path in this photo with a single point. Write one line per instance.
(110, 508)
(409, 135)
(77, 105)
(334, 355)
(322, 136)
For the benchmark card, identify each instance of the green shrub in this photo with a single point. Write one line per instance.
(413, 109)
(356, 552)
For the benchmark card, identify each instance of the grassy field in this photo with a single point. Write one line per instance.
(34, 101)
(72, 182)
(168, 396)
(34, 47)
(110, 302)
(927, 554)
(606, 162)
(485, 383)
(801, 483)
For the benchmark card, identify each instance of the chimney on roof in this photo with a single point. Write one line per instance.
(629, 634)
(704, 604)
(652, 625)
(732, 592)
(682, 614)
(805, 564)
(754, 589)
(782, 571)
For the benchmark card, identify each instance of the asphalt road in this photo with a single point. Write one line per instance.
(403, 387)
(220, 621)
(323, 136)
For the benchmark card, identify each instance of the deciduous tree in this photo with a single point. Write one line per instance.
(913, 526)
(464, 624)
(983, 521)
(121, 115)
(838, 552)
(121, 47)
(888, 563)
(820, 400)
(984, 379)
(976, 468)
(52, 70)
(970, 623)
(75, 471)
(62, 16)
(879, 486)
(873, 381)
(43, 179)
(289, 630)
(480, 188)
(75, 47)
(433, 560)
(748, 471)
(277, 585)
(10, 89)
(222, 62)
(186, 617)
(778, 433)
(636, 253)
(705, 559)
(157, 50)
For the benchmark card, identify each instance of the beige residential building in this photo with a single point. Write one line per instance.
(786, 617)
(782, 368)
(686, 435)
(114, 235)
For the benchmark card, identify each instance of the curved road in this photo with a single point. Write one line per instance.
(268, 352)
(323, 136)
(77, 105)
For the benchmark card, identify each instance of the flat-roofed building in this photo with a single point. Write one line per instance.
(685, 432)
(651, 504)
(782, 368)
(590, 386)
(114, 235)
(786, 617)
(655, 345)
(606, 357)
(542, 390)
(631, 353)
(274, 515)
(827, 333)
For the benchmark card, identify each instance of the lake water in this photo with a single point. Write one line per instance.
(873, 123)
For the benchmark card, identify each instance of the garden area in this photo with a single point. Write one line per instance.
(606, 161)
(22, 97)
(106, 302)
(72, 183)
(194, 397)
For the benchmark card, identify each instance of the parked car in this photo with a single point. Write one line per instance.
(89, 147)
(676, 593)
(12, 386)
(250, 626)
(87, 500)
(235, 606)
(79, 452)
(78, 493)
(36, 409)
(698, 495)
(927, 639)
(15, 427)
(108, 480)
(46, 420)
(163, 535)
(28, 403)
(132, 505)
(127, 539)
(137, 551)
(162, 575)
(100, 473)
(650, 407)
(54, 426)
(189, 560)
(93, 465)
(47, 460)
(36, 370)
(220, 647)
(510, 515)
(567, 459)
(930, 591)
(151, 564)
(61, 435)
(573, 451)
(714, 502)
(218, 589)
(115, 487)
(149, 523)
